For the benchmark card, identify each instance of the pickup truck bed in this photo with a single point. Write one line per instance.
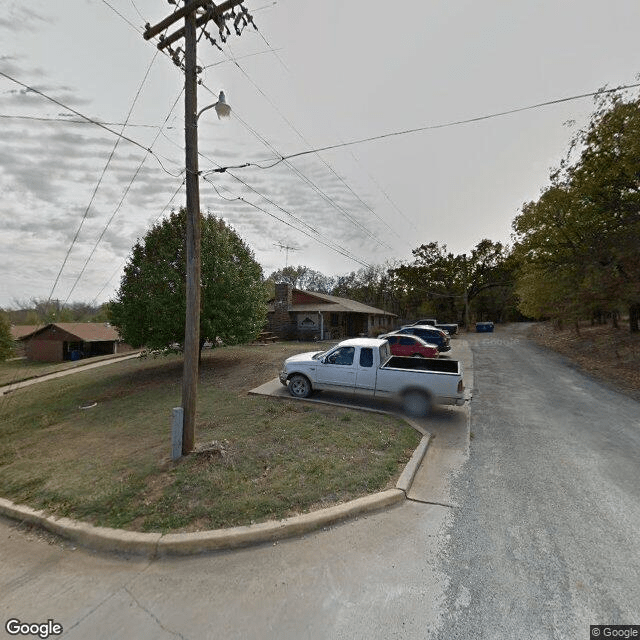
(422, 364)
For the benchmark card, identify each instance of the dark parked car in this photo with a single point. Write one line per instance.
(430, 335)
(449, 328)
(413, 346)
(484, 327)
(430, 321)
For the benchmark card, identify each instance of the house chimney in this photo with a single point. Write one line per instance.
(283, 295)
(281, 323)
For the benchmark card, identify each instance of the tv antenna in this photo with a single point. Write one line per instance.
(284, 247)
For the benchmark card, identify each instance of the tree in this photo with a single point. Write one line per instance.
(372, 285)
(443, 284)
(302, 277)
(6, 339)
(149, 307)
(577, 243)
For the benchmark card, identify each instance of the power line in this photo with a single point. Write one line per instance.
(133, 26)
(305, 178)
(248, 55)
(166, 206)
(90, 120)
(72, 121)
(377, 184)
(457, 122)
(104, 170)
(317, 236)
(124, 195)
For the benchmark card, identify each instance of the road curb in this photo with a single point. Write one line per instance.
(157, 544)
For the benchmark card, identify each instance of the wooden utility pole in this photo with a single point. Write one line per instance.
(209, 11)
(192, 319)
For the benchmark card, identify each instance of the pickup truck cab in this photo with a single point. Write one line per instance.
(366, 367)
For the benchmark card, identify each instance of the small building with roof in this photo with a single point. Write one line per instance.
(61, 341)
(295, 314)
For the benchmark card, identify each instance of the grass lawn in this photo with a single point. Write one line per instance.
(264, 458)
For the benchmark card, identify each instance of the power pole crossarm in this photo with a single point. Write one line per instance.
(174, 17)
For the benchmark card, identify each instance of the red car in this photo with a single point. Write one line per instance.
(405, 345)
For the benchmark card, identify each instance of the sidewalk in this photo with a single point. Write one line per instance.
(65, 372)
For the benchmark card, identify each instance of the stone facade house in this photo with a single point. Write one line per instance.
(306, 315)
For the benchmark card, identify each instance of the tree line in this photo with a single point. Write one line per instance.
(575, 256)
(575, 253)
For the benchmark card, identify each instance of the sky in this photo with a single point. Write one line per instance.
(75, 197)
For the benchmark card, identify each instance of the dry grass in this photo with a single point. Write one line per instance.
(259, 458)
(609, 354)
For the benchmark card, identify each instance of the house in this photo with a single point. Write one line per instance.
(69, 341)
(307, 315)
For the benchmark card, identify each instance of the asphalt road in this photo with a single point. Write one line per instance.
(547, 539)
(534, 535)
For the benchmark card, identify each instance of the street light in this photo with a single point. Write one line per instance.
(222, 108)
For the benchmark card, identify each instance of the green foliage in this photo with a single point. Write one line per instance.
(6, 340)
(301, 277)
(370, 285)
(149, 308)
(578, 243)
(438, 282)
(41, 312)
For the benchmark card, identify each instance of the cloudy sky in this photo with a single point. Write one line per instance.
(74, 197)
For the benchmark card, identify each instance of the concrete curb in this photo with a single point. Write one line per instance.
(157, 544)
(406, 478)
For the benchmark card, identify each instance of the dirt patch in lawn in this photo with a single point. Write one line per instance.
(609, 354)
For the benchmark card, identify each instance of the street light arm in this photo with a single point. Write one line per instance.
(211, 106)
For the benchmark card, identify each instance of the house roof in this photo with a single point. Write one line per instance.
(85, 331)
(19, 331)
(315, 302)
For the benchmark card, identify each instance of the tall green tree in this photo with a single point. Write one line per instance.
(578, 243)
(149, 307)
(6, 339)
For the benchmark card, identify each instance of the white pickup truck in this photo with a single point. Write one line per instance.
(365, 366)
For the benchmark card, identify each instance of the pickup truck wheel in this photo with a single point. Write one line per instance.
(416, 404)
(299, 386)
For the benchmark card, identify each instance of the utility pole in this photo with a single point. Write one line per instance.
(192, 319)
(196, 13)
(467, 320)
